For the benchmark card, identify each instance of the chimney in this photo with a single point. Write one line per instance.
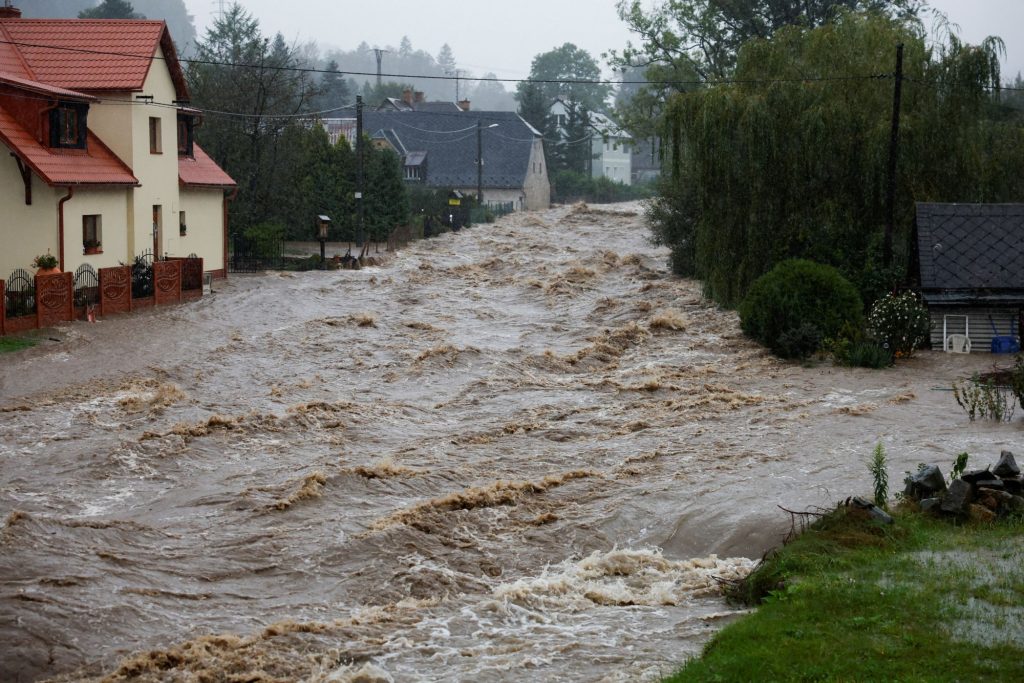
(9, 12)
(420, 96)
(407, 96)
(464, 105)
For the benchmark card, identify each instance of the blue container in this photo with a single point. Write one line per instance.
(1004, 343)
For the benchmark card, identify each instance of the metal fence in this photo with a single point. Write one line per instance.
(87, 286)
(142, 275)
(247, 255)
(20, 294)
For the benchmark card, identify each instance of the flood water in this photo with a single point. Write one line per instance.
(523, 451)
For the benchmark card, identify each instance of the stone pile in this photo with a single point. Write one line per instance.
(980, 495)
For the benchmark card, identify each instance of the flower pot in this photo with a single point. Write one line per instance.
(48, 271)
(93, 250)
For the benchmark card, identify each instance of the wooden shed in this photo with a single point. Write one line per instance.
(971, 261)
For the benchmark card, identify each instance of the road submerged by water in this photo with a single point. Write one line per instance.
(519, 452)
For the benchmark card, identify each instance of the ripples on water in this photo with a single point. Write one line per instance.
(494, 458)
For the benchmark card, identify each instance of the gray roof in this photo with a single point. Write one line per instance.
(449, 140)
(976, 248)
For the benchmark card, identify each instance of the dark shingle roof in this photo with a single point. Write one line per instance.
(971, 246)
(449, 139)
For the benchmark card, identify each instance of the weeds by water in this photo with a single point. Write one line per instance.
(985, 399)
(850, 600)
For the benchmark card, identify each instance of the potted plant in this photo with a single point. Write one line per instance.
(45, 264)
(93, 247)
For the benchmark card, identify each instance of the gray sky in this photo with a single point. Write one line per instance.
(503, 37)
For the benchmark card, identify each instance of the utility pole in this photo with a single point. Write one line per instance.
(479, 163)
(359, 171)
(894, 150)
(379, 53)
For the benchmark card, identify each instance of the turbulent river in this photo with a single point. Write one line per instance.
(519, 452)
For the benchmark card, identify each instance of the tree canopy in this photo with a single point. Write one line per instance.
(111, 9)
(568, 73)
(791, 159)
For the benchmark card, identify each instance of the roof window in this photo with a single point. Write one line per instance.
(68, 125)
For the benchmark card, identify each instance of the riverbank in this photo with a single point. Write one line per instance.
(852, 600)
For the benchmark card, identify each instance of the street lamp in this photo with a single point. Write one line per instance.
(480, 161)
(323, 224)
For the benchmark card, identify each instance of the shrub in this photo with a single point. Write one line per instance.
(985, 399)
(879, 475)
(869, 354)
(901, 321)
(794, 296)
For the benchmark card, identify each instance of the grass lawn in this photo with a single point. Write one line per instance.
(922, 600)
(11, 344)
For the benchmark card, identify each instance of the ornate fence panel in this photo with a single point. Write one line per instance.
(20, 302)
(55, 297)
(115, 290)
(167, 282)
(87, 288)
(142, 275)
(247, 255)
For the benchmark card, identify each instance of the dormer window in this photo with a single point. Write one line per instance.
(186, 135)
(68, 125)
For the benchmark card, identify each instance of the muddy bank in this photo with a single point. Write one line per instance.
(521, 447)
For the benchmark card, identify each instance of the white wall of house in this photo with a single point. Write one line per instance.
(537, 187)
(204, 215)
(111, 206)
(25, 231)
(612, 159)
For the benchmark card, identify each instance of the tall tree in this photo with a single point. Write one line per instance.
(333, 90)
(251, 80)
(534, 107)
(791, 159)
(111, 9)
(446, 58)
(180, 23)
(568, 73)
(704, 36)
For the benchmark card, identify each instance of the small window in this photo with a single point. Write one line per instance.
(182, 224)
(68, 125)
(155, 143)
(186, 135)
(92, 234)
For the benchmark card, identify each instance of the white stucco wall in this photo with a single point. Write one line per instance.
(25, 231)
(612, 160)
(204, 213)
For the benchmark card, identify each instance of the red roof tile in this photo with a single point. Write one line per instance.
(96, 166)
(92, 54)
(202, 171)
(11, 61)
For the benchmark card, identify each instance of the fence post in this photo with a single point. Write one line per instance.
(3, 308)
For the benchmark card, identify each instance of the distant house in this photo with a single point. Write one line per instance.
(610, 146)
(414, 100)
(971, 265)
(439, 150)
(97, 150)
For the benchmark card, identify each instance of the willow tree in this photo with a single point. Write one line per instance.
(789, 159)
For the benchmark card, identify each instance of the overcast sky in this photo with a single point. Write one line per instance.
(503, 37)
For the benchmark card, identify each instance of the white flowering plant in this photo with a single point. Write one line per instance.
(900, 321)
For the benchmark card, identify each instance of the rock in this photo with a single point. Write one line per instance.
(1014, 486)
(992, 485)
(874, 512)
(975, 476)
(925, 483)
(1007, 466)
(933, 504)
(958, 497)
(980, 513)
(987, 500)
(1015, 504)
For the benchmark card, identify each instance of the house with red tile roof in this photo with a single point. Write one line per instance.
(96, 147)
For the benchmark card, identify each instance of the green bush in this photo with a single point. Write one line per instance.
(793, 297)
(868, 354)
(900, 321)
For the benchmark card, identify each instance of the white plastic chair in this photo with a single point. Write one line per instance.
(958, 343)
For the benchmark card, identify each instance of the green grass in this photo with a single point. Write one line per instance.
(922, 600)
(8, 344)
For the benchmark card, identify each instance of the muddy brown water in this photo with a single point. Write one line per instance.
(519, 452)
